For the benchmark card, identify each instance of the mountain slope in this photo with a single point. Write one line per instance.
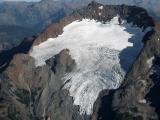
(32, 17)
(141, 85)
(25, 19)
(35, 85)
(152, 6)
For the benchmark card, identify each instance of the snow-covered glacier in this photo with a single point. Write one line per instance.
(103, 53)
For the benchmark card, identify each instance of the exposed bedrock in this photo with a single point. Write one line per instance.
(138, 97)
(37, 93)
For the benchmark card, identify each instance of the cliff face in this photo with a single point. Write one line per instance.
(36, 93)
(137, 98)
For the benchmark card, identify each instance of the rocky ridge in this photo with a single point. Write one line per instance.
(35, 93)
(137, 97)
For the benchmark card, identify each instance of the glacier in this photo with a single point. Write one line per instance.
(99, 51)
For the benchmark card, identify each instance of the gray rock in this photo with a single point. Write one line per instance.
(36, 93)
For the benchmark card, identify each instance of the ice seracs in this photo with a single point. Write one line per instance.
(100, 52)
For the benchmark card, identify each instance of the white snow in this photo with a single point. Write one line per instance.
(150, 61)
(97, 49)
(143, 101)
(101, 7)
(99, 14)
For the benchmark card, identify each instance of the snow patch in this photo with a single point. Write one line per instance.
(98, 50)
(143, 101)
(101, 7)
(99, 14)
(150, 62)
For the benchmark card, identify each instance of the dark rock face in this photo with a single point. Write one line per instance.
(36, 93)
(7, 55)
(153, 96)
(137, 98)
(61, 60)
(137, 16)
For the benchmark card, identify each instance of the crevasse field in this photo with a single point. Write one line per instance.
(103, 54)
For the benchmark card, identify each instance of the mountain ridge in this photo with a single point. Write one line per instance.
(31, 92)
(33, 17)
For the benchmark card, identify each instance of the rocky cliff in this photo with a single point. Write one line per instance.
(30, 92)
(137, 97)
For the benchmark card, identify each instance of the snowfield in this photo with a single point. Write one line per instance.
(103, 54)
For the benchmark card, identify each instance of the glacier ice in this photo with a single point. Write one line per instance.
(97, 49)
